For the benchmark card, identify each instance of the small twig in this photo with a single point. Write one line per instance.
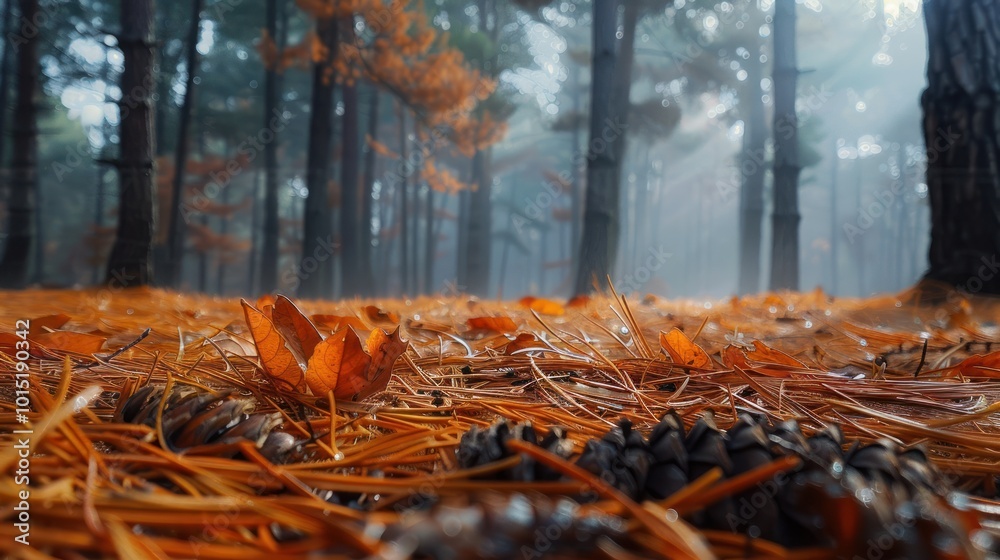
(923, 356)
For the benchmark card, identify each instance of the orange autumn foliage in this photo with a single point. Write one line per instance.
(404, 54)
(682, 350)
(543, 306)
(499, 324)
(296, 356)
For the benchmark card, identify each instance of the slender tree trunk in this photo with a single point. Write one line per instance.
(430, 243)
(963, 143)
(479, 232)
(577, 195)
(834, 230)
(220, 268)
(21, 205)
(352, 192)
(404, 209)
(177, 202)
(365, 271)
(269, 252)
(600, 221)
(785, 220)
(130, 261)
(8, 20)
(752, 172)
(621, 97)
(317, 229)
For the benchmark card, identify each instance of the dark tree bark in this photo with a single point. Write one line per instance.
(21, 205)
(785, 220)
(269, 252)
(352, 192)
(963, 142)
(130, 261)
(365, 258)
(752, 173)
(178, 215)
(315, 268)
(479, 232)
(600, 221)
(622, 93)
(8, 21)
(479, 223)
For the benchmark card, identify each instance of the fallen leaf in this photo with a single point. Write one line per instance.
(351, 370)
(47, 323)
(764, 354)
(501, 324)
(276, 359)
(336, 363)
(684, 351)
(980, 365)
(300, 335)
(385, 349)
(523, 340)
(380, 316)
(69, 341)
(543, 306)
(8, 343)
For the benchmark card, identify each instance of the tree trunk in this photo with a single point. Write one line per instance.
(8, 20)
(21, 205)
(269, 251)
(177, 202)
(130, 261)
(785, 220)
(479, 227)
(577, 193)
(622, 93)
(963, 143)
(752, 173)
(314, 268)
(430, 243)
(366, 276)
(351, 194)
(600, 219)
(404, 210)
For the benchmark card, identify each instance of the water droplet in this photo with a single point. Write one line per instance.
(828, 313)
(899, 304)
(623, 329)
(129, 311)
(790, 307)
(809, 324)
(708, 305)
(671, 515)
(772, 309)
(863, 342)
(338, 456)
(924, 335)
(416, 317)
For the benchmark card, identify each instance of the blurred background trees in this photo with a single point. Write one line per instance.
(385, 147)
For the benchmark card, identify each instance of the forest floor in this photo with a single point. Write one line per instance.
(889, 368)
